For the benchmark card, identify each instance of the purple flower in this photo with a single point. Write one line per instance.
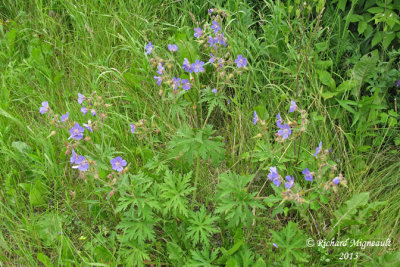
(210, 41)
(273, 173)
(83, 164)
(88, 126)
(93, 111)
(76, 132)
(118, 163)
(221, 39)
(214, 90)
(241, 61)
(133, 128)
(84, 110)
(276, 182)
(64, 117)
(186, 84)
(74, 157)
(176, 82)
(290, 181)
(198, 32)
(285, 131)
(44, 108)
(293, 106)
(330, 149)
(336, 180)
(397, 83)
(158, 79)
(318, 149)
(220, 63)
(255, 117)
(212, 58)
(215, 27)
(279, 120)
(186, 66)
(197, 66)
(172, 47)
(307, 175)
(161, 69)
(210, 11)
(275, 245)
(149, 48)
(81, 98)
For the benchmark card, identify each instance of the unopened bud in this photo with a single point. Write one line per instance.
(72, 193)
(51, 134)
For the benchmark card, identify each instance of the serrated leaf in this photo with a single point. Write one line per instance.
(378, 37)
(326, 79)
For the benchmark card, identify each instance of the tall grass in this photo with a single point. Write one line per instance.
(51, 50)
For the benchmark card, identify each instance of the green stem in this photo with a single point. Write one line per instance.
(196, 179)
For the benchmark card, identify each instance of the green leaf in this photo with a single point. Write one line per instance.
(233, 199)
(362, 26)
(44, 259)
(323, 46)
(324, 199)
(175, 190)
(260, 263)
(36, 193)
(378, 37)
(189, 145)
(290, 241)
(387, 40)
(342, 4)
(326, 79)
(326, 94)
(232, 263)
(375, 10)
(201, 227)
(345, 104)
(364, 68)
(345, 215)
(355, 18)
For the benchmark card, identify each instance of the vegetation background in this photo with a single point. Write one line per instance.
(339, 60)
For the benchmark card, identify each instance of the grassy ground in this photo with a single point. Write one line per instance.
(51, 50)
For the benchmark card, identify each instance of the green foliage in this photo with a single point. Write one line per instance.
(356, 211)
(201, 227)
(233, 199)
(139, 219)
(174, 193)
(338, 60)
(190, 144)
(291, 241)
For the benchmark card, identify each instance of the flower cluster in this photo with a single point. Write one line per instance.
(285, 131)
(211, 34)
(275, 178)
(77, 132)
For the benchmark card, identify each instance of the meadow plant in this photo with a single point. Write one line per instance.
(160, 209)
